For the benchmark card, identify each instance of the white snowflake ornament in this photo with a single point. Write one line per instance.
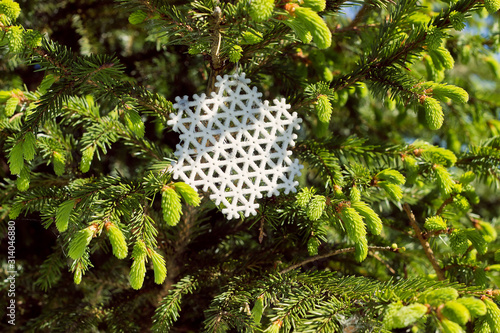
(235, 145)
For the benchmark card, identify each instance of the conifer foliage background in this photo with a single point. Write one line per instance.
(394, 224)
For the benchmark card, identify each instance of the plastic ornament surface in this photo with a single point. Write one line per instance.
(235, 145)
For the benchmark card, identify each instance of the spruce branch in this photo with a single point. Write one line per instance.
(222, 275)
(424, 243)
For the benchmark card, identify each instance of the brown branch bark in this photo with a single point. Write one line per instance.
(424, 243)
(216, 42)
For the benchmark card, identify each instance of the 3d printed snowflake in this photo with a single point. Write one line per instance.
(235, 145)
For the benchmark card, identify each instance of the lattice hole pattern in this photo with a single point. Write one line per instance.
(235, 145)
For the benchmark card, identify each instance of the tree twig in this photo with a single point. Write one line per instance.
(216, 42)
(444, 204)
(334, 253)
(382, 261)
(424, 243)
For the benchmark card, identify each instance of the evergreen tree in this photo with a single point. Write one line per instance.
(393, 223)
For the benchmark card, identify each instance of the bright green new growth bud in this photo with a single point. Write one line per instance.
(7, 95)
(327, 74)
(434, 38)
(393, 191)
(15, 38)
(322, 36)
(140, 250)
(235, 53)
(438, 296)
(487, 230)
(11, 106)
(407, 315)
(10, 8)
(258, 309)
(300, 30)
(261, 10)
(251, 37)
(467, 177)
(492, 315)
(362, 89)
(316, 207)
(138, 269)
(80, 241)
(477, 240)
(29, 146)
(171, 206)
(316, 5)
(77, 277)
(137, 273)
(87, 156)
(312, 246)
(4, 20)
(63, 214)
(159, 267)
(472, 254)
(137, 17)
(492, 6)
(410, 163)
(434, 115)
(117, 240)
(372, 220)
(461, 203)
(391, 176)
(46, 83)
(16, 158)
(23, 181)
(481, 326)
(390, 103)
(493, 65)
(411, 167)
(475, 306)
(448, 326)
(134, 122)
(444, 180)
(456, 312)
(435, 223)
(15, 210)
(457, 20)
(444, 91)
(389, 315)
(59, 163)
(188, 193)
(355, 194)
(356, 231)
(323, 108)
(444, 57)
(33, 38)
(304, 196)
(470, 193)
(438, 155)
